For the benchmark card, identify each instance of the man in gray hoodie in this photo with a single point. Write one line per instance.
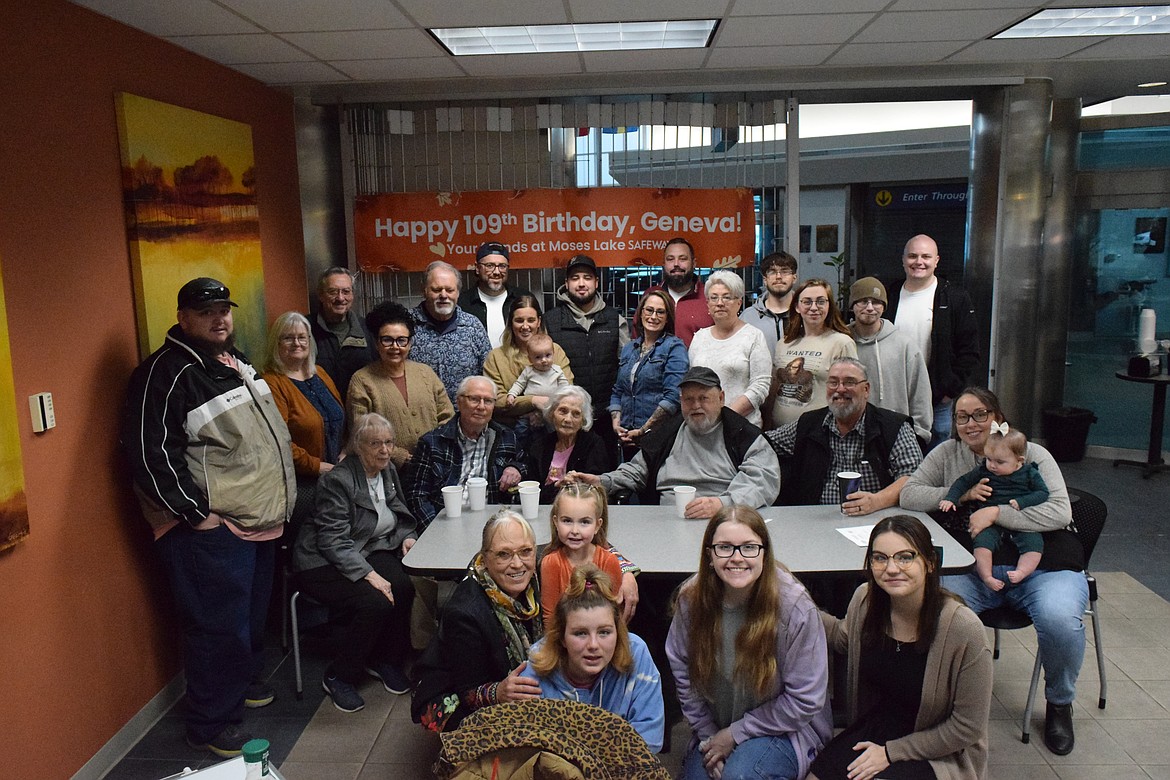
(592, 336)
(897, 371)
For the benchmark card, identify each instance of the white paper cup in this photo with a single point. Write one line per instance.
(528, 483)
(453, 500)
(683, 495)
(476, 493)
(529, 502)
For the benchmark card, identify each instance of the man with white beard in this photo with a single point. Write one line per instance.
(706, 445)
(851, 435)
(446, 338)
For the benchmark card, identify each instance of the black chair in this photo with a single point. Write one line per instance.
(1089, 513)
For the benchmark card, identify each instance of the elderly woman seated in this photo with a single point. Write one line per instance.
(568, 444)
(348, 556)
(485, 630)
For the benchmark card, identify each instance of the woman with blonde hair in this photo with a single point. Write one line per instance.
(748, 653)
(587, 655)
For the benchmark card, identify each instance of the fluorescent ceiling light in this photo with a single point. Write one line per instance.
(606, 36)
(1085, 22)
(1149, 84)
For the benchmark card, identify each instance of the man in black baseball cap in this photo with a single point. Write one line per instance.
(204, 291)
(491, 298)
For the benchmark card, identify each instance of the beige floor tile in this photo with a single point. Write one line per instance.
(1014, 663)
(1157, 772)
(1120, 631)
(1094, 744)
(342, 739)
(404, 743)
(1159, 690)
(1144, 740)
(1137, 606)
(1141, 663)
(1126, 700)
(1098, 772)
(1006, 749)
(1118, 582)
(1021, 772)
(303, 770)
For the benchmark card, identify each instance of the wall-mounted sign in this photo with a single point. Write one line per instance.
(919, 197)
(543, 228)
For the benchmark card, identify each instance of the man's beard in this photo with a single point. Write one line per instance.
(681, 283)
(213, 347)
(707, 425)
(582, 303)
(845, 410)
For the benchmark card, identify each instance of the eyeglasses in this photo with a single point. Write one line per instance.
(721, 298)
(779, 272)
(648, 312)
(833, 383)
(865, 303)
(294, 339)
(494, 267)
(724, 550)
(901, 559)
(979, 415)
(504, 557)
(394, 341)
(808, 303)
(377, 444)
(478, 400)
(339, 292)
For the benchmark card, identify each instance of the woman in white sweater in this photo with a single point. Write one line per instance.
(738, 354)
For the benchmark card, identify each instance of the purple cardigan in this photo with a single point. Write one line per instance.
(800, 707)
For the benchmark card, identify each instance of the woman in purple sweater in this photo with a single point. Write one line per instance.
(748, 653)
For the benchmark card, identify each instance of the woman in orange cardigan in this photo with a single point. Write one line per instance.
(309, 403)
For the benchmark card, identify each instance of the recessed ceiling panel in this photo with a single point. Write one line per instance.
(937, 26)
(392, 70)
(314, 15)
(623, 10)
(1020, 51)
(878, 54)
(292, 73)
(773, 7)
(789, 30)
(366, 44)
(522, 64)
(429, 13)
(667, 59)
(189, 17)
(749, 57)
(236, 49)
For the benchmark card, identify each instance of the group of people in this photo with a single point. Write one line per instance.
(357, 425)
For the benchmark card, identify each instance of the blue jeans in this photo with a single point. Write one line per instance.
(221, 587)
(1056, 601)
(759, 758)
(940, 429)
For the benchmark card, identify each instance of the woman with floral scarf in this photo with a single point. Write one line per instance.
(485, 630)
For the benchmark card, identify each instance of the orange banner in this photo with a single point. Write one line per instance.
(544, 228)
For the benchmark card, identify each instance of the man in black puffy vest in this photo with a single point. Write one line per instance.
(592, 335)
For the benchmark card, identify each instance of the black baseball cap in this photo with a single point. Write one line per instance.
(701, 375)
(581, 260)
(200, 292)
(492, 248)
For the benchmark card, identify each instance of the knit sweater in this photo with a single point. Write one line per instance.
(372, 390)
(951, 729)
(503, 366)
(741, 361)
(304, 421)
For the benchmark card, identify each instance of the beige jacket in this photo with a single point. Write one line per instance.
(504, 365)
(372, 390)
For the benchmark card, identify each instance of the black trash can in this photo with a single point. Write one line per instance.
(1066, 430)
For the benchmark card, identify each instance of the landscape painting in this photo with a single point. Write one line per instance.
(13, 507)
(189, 185)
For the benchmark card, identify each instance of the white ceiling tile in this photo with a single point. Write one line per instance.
(625, 11)
(236, 49)
(429, 13)
(1026, 7)
(917, 26)
(769, 56)
(878, 54)
(190, 17)
(668, 59)
(1129, 47)
(1020, 50)
(369, 44)
(293, 73)
(393, 70)
(314, 15)
(789, 30)
(521, 64)
(772, 7)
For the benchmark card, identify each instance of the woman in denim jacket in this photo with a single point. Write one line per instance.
(649, 370)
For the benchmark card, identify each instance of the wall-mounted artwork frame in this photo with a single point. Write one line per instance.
(189, 185)
(14, 524)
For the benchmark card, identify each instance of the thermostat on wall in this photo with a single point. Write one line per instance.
(41, 407)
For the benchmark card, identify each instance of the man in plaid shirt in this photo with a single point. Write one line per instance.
(852, 435)
(469, 445)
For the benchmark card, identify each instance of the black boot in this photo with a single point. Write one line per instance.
(1058, 729)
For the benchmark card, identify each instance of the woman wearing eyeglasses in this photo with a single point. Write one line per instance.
(1056, 594)
(919, 669)
(749, 658)
(409, 394)
(732, 349)
(309, 403)
(812, 341)
(649, 370)
(485, 631)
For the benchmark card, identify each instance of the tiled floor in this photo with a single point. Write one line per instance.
(1128, 739)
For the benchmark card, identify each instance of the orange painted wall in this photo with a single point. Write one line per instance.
(84, 637)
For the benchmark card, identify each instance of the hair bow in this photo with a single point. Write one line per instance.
(999, 427)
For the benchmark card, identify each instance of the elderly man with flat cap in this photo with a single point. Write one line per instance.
(707, 446)
(211, 460)
(492, 296)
